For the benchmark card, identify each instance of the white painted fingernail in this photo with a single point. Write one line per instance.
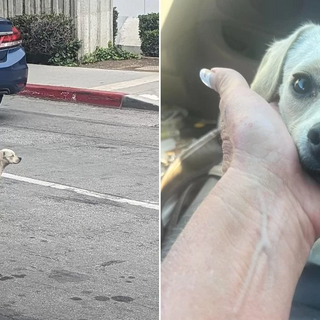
(205, 76)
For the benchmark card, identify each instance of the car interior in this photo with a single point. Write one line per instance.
(206, 34)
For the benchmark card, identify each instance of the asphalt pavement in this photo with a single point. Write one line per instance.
(79, 215)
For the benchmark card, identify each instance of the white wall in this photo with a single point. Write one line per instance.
(132, 8)
(128, 23)
(94, 23)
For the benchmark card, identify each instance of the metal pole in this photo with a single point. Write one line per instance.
(144, 6)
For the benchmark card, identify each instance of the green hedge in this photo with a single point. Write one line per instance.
(149, 34)
(48, 38)
(150, 43)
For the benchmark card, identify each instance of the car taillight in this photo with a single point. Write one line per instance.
(11, 40)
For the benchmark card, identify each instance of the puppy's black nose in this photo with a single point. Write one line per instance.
(20, 158)
(314, 141)
(314, 135)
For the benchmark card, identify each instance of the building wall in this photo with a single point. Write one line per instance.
(133, 8)
(17, 7)
(94, 20)
(128, 23)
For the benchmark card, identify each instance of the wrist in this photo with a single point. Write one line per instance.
(279, 238)
(267, 236)
(274, 191)
(266, 207)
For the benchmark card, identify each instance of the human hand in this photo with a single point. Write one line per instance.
(243, 251)
(256, 141)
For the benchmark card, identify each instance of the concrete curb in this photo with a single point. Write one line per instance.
(94, 97)
(105, 99)
(138, 102)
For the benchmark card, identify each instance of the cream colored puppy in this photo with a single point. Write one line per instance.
(289, 73)
(7, 157)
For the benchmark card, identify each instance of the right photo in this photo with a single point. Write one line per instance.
(240, 159)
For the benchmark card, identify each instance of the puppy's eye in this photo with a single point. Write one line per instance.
(302, 84)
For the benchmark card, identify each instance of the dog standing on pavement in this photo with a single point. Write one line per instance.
(7, 157)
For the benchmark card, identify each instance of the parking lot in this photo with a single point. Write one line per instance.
(79, 215)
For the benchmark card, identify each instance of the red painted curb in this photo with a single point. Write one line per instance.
(94, 97)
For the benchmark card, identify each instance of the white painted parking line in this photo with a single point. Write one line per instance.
(144, 204)
(128, 84)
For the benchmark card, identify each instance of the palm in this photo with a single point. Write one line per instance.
(260, 138)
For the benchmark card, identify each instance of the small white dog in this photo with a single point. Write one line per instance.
(289, 74)
(7, 157)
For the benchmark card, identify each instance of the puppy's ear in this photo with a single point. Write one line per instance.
(269, 75)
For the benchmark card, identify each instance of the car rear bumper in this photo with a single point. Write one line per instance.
(13, 70)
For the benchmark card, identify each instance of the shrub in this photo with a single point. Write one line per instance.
(149, 34)
(148, 22)
(110, 53)
(115, 24)
(48, 38)
(150, 43)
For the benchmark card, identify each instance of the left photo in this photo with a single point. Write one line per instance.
(79, 159)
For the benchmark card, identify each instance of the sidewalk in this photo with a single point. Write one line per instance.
(113, 88)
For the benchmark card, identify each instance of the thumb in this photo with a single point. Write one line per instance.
(236, 95)
(223, 80)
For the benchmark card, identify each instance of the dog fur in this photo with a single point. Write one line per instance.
(284, 62)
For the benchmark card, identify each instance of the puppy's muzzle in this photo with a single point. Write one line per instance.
(314, 140)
